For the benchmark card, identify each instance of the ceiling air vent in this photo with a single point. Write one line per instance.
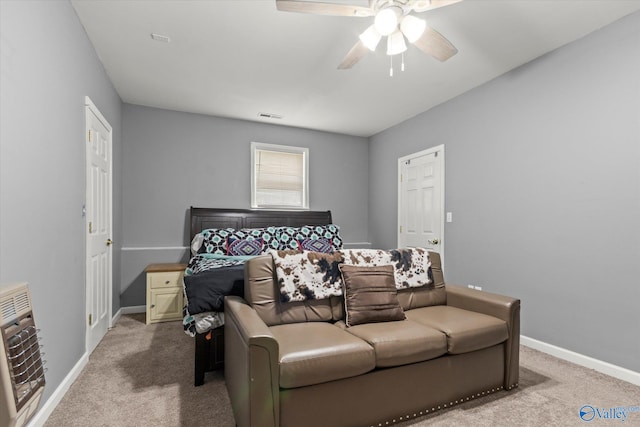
(160, 38)
(269, 116)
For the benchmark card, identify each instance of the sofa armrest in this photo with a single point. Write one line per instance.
(502, 307)
(251, 365)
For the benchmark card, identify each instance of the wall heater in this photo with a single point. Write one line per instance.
(21, 365)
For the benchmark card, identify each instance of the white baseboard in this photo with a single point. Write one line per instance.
(133, 309)
(47, 408)
(582, 360)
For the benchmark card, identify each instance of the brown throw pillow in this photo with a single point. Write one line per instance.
(370, 294)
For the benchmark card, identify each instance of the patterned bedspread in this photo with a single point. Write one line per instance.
(207, 280)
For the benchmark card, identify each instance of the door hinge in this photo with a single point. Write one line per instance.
(89, 135)
(401, 177)
(90, 227)
(90, 320)
(400, 229)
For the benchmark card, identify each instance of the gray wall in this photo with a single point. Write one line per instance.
(174, 160)
(543, 179)
(47, 66)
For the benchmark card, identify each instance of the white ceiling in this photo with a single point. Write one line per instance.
(236, 58)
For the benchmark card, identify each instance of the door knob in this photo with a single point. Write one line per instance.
(109, 242)
(433, 242)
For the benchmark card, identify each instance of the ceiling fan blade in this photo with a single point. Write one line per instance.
(357, 52)
(319, 8)
(435, 44)
(423, 6)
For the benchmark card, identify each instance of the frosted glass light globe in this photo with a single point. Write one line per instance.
(370, 38)
(386, 21)
(412, 27)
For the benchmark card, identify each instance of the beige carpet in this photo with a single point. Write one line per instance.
(143, 376)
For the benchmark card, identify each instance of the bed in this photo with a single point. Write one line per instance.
(209, 344)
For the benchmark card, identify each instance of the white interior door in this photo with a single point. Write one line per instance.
(98, 223)
(421, 200)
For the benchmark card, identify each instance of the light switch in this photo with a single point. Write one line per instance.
(449, 217)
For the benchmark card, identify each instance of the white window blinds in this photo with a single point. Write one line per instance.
(279, 177)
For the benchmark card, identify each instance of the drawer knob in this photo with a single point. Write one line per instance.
(167, 282)
(153, 305)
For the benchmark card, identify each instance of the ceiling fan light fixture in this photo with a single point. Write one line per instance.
(370, 38)
(412, 27)
(396, 44)
(386, 21)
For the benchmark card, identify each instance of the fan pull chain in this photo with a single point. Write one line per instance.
(391, 65)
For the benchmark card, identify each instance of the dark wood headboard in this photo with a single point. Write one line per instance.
(203, 218)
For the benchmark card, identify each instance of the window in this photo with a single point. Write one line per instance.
(279, 176)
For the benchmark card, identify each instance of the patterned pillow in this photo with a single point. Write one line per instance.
(315, 245)
(288, 236)
(243, 247)
(370, 295)
(412, 267)
(267, 234)
(307, 275)
(215, 239)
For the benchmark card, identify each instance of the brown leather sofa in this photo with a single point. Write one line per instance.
(297, 364)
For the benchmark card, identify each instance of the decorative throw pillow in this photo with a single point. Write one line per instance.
(307, 275)
(370, 295)
(244, 247)
(412, 267)
(214, 240)
(267, 234)
(288, 236)
(315, 245)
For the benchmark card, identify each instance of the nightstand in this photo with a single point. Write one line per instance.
(164, 292)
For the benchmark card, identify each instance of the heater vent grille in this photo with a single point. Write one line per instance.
(13, 304)
(8, 309)
(21, 366)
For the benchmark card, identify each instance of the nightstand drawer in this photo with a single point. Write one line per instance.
(170, 279)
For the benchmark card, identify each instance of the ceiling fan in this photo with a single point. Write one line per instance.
(393, 19)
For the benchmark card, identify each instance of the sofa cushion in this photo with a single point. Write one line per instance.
(370, 294)
(317, 352)
(263, 293)
(401, 342)
(466, 330)
(426, 296)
